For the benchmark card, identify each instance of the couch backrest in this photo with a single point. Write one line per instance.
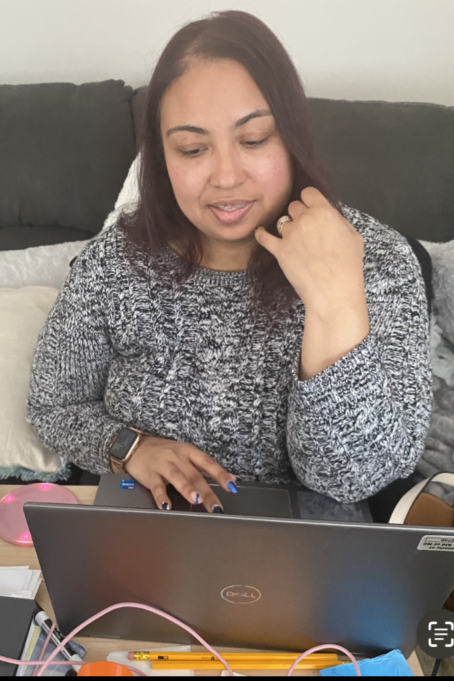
(394, 161)
(64, 153)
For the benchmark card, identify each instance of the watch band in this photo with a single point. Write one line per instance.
(119, 465)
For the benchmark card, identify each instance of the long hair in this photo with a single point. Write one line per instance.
(158, 220)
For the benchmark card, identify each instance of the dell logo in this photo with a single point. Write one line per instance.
(239, 594)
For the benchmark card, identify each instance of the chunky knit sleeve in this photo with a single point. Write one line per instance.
(70, 368)
(361, 423)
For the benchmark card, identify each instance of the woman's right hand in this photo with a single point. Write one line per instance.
(158, 462)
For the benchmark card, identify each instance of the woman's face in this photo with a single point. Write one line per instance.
(228, 166)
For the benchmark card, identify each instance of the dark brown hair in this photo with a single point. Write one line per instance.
(158, 220)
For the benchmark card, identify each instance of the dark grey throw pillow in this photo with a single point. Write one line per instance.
(65, 151)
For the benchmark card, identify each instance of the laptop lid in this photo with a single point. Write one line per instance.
(240, 581)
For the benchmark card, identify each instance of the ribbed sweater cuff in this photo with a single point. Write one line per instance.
(357, 373)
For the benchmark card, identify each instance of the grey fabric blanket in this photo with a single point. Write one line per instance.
(439, 451)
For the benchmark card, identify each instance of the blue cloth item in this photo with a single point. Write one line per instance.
(391, 664)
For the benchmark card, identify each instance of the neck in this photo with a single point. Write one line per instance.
(226, 256)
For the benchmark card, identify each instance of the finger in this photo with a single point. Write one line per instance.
(187, 481)
(268, 241)
(296, 209)
(208, 466)
(207, 495)
(312, 197)
(158, 487)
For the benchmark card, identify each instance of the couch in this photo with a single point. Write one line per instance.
(65, 151)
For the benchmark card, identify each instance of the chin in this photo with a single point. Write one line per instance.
(235, 233)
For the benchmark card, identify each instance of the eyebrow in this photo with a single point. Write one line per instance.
(259, 113)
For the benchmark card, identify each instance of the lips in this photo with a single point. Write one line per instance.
(229, 212)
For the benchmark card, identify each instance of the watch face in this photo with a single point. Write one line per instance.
(123, 443)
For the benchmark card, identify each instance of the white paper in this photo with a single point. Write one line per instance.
(35, 581)
(19, 582)
(121, 656)
(12, 581)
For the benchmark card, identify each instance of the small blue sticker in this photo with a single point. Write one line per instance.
(128, 484)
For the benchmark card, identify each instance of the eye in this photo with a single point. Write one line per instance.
(192, 152)
(255, 143)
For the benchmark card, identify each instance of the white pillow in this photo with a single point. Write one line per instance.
(38, 266)
(22, 314)
(128, 198)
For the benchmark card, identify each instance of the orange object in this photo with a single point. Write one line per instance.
(104, 669)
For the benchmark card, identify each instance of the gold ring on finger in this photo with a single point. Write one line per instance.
(281, 222)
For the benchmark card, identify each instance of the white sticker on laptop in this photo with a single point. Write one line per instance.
(436, 542)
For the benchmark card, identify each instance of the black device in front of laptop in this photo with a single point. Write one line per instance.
(284, 568)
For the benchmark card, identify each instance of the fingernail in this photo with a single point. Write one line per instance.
(165, 506)
(217, 509)
(232, 487)
(196, 498)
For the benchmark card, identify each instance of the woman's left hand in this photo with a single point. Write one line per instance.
(320, 253)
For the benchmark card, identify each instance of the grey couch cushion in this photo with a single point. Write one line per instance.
(26, 236)
(395, 161)
(64, 153)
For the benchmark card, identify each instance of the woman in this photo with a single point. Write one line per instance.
(241, 319)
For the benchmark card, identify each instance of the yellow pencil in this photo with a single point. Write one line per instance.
(246, 665)
(208, 657)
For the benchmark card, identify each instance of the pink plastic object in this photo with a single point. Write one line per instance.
(13, 526)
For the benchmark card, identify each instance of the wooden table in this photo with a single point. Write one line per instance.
(98, 649)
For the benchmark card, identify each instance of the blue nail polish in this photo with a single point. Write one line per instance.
(232, 487)
(197, 498)
(165, 506)
(217, 509)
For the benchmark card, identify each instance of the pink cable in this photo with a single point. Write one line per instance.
(81, 663)
(34, 663)
(70, 662)
(324, 647)
(156, 611)
(46, 643)
(139, 606)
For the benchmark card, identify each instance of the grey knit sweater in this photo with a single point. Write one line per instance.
(192, 364)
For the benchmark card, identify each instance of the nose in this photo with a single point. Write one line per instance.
(227, 168)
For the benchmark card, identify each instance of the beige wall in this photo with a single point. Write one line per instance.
(353, 49)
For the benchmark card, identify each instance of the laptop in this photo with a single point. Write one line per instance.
(283, 568)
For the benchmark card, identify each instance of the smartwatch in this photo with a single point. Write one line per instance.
(123, 447)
